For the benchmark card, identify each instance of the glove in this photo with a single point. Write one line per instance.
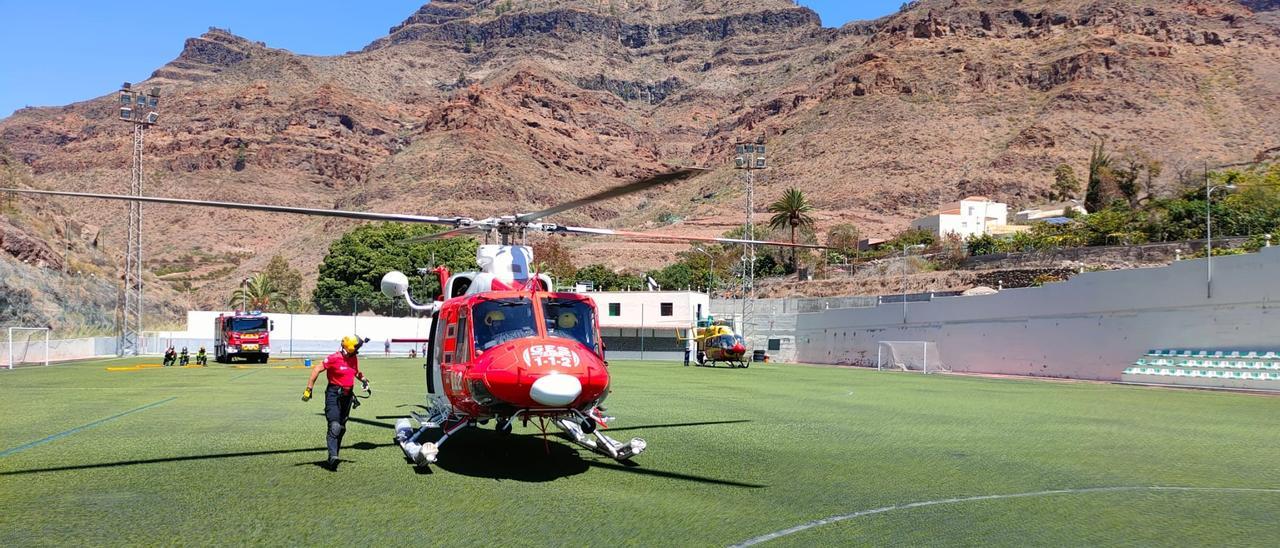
(364, 385)
(306, 394)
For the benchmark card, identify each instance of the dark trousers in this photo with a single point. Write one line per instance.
(337, 406)
(686, 357)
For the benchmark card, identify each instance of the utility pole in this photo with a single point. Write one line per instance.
(749, 157)
(139, 109)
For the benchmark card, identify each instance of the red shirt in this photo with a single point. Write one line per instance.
(341, 370)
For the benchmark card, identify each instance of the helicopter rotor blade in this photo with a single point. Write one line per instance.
(359, 215)
(629, 188)
(672, 238)
(464, 231)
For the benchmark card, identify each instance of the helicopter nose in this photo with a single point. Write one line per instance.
(738, 349)
(556, 390)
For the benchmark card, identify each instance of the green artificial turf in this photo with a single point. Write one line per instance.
(229, 456)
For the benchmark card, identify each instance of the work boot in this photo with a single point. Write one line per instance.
(332, 464)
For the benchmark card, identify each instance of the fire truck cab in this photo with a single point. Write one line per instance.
(245, 336)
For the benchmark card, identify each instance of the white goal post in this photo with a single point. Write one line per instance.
(22, 349)
(920, 356)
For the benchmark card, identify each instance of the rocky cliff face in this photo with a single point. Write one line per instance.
(478, 107)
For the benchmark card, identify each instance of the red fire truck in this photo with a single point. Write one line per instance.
(239, 335)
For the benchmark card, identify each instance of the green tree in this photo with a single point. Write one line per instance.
(791, 210)
(1103, 188)
(843, 238)
(256, 293)
(984, 244)
(286, 279)
(351, 274)
(549, 257)
(1065, 184)
(605, 279)
(677, 276)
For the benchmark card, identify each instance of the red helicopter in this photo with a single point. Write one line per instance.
(504, 346)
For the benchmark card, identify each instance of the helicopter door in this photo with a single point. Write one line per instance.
(445, 350)
(432, 355)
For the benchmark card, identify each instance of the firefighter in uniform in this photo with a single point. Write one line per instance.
(342, 369)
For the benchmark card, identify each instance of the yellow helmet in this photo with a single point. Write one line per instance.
(350, 343)
(494, 316)
(567, 320)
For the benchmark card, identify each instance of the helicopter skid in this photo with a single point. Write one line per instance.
(425, 453)
(600, 443)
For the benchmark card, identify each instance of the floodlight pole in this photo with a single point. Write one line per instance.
(1208, 232)
(749, 157)
(140, 110)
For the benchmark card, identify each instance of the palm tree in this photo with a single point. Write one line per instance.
(791, 210)
(257, 293)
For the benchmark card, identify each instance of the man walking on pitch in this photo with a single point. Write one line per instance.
(342, 369)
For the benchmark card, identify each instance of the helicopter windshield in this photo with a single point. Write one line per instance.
(570, 319)
(501, 320)
(725, 341)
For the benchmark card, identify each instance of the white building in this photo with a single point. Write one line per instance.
(971, 216)
(643, 324)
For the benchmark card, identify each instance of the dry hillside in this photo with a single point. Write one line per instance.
(468, 107)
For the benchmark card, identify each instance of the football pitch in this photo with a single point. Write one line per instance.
(787, 455)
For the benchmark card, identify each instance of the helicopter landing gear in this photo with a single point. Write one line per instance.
(597, 441)
(503, 427)
(425, 453)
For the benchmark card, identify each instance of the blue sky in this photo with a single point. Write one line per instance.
(59, 52)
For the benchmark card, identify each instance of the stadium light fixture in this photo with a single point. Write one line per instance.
(152, 117)
(126, 113)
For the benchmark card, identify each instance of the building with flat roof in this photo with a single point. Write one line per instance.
(972, 216)
(644, 324)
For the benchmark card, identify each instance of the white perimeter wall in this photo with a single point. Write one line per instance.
(1090, 327)
(316, 327)
(639, 308)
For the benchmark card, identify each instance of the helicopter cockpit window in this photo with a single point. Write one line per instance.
(501, 320)
(570, 319)
(723, 341)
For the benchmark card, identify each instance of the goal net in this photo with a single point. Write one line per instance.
(919, 356)
(27, 346)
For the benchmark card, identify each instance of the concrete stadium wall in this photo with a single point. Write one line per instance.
(1090, 327)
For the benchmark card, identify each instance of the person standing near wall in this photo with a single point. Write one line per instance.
(386, 348)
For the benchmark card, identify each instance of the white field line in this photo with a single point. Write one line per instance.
(908, 506)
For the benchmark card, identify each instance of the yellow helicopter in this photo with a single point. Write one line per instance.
(717, 342)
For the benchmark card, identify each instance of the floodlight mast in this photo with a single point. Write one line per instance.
(141, 110)
(749, 157)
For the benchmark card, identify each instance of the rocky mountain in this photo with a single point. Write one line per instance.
(480, 106)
